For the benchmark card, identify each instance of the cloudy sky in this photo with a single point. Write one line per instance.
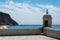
(31, 11)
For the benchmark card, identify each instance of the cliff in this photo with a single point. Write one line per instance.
(5, 19)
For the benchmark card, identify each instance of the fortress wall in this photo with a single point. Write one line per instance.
(47, 31)
(19, 31)
(51, 32)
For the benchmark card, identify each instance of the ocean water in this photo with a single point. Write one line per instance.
(24, 26)
(57, 27)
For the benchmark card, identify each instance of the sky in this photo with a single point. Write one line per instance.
(30, 12)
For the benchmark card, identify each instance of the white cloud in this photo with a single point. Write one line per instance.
(22, 13)
(26, 14)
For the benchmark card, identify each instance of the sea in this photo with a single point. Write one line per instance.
(56, 27)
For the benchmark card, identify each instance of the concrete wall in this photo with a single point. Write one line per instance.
(19, 31)
(47, 31)
(51, 32)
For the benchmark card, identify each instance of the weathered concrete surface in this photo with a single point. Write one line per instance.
(51, 32)
(19, 31)
(31, 37)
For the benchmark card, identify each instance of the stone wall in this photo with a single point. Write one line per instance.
(47, 31)
(51, 32)
(19, 31)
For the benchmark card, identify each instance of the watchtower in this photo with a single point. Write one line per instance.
(47, 20)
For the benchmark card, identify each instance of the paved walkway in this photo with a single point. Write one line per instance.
(30, 37)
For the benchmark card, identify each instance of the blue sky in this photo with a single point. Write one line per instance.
(49, 2)
(31, 11)
(53, 2)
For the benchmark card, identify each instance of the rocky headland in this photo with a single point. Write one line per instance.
(5, 19)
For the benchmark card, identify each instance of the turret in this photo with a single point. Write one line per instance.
(47, 20)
